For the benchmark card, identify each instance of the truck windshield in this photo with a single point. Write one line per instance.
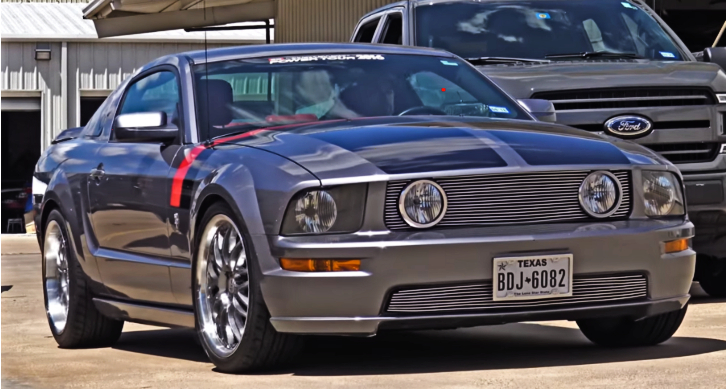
(542, 29)
(241, 95)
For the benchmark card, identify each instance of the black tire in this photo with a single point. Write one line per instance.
(261, 346)
(623, 332)
(712, 276)
(84, 327)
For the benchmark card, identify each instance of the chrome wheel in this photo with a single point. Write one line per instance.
(224, 286)
(55, 260)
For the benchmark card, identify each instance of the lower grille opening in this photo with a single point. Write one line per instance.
(687, 152)
(477, 297)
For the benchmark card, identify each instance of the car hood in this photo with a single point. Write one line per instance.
(394, 146)
(524, 80)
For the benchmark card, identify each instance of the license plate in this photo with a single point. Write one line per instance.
(532, 278)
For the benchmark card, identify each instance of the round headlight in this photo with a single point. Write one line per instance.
(659, 193)
(600, 194)
(316, 211)
(422, 204)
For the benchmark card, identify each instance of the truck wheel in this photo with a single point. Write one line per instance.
(232, 320)
(713, 277)
(74, 320)
(623, 332)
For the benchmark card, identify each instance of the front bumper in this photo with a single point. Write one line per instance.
(706, 197)
(355, 303)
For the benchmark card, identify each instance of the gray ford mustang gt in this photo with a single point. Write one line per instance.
(262, 193)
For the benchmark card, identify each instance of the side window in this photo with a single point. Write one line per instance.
(367, 31)
(393, 32)
(157, 92)
(438, 92)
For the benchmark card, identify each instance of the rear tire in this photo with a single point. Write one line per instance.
(623, 332)
(72, 316)
(232, 320)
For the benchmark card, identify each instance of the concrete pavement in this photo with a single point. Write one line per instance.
(549, 355)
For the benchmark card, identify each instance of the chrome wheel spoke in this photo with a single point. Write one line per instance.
(223, 285)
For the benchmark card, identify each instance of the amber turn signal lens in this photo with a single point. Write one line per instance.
(676, 246)
(320, 265)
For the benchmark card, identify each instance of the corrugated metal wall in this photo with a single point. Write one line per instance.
(91, 66)
(320, 20)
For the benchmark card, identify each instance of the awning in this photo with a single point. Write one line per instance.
(123, 17)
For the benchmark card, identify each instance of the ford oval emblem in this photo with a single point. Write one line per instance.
(629, 126)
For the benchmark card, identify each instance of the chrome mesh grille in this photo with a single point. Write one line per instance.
(478, 297)
(500, 199)
(627, 98)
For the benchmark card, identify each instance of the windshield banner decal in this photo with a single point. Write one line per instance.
(340, 57)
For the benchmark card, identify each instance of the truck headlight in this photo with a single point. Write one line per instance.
(662, 194)
(331, 210)
(721, 97)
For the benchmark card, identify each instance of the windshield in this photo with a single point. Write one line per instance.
(538, 29)
(239, 95)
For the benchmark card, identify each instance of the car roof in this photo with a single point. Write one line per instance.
(272, 50)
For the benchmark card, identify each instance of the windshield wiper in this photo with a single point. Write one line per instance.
(501, 60)
(595, 54)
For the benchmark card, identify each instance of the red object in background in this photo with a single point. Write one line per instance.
(443, 89)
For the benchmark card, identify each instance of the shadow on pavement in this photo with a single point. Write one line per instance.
(512, 346)
(174, 343)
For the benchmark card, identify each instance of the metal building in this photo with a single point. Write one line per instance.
(55, 72)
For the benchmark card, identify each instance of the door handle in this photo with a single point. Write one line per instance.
(96, 174)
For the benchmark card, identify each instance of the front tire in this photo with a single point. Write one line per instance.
(73, 319)
(624, 332)
(712, 276)
(232, 320)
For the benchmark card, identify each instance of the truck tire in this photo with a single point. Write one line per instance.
(72, 316)
(624, 332)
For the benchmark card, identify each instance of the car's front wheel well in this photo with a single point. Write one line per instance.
(49, 206)
(206, 204)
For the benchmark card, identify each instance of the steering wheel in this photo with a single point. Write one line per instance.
(422, 110)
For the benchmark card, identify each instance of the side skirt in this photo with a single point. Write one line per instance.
(144, 314)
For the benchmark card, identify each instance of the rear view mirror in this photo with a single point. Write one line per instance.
(715, 55)
(144, 127)
(542, 110)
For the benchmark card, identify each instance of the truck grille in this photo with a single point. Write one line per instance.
(627, 98)
(500, 199)
(687, 152)
(478, 297)
(675, 125)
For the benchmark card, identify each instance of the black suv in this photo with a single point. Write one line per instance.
(610, 66)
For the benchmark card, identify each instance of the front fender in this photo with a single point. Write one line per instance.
(257, 185)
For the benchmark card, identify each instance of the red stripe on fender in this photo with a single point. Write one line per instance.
(181, 173)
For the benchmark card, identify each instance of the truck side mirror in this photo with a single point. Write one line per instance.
(715, 55)
(543, 110)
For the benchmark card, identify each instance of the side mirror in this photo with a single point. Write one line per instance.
(144, 127)
(543, 110)
(715, 55)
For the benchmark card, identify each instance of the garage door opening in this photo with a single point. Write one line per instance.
(89, 106)
(20, 152)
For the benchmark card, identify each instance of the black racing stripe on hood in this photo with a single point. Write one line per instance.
(552, 149)
(414, 149)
